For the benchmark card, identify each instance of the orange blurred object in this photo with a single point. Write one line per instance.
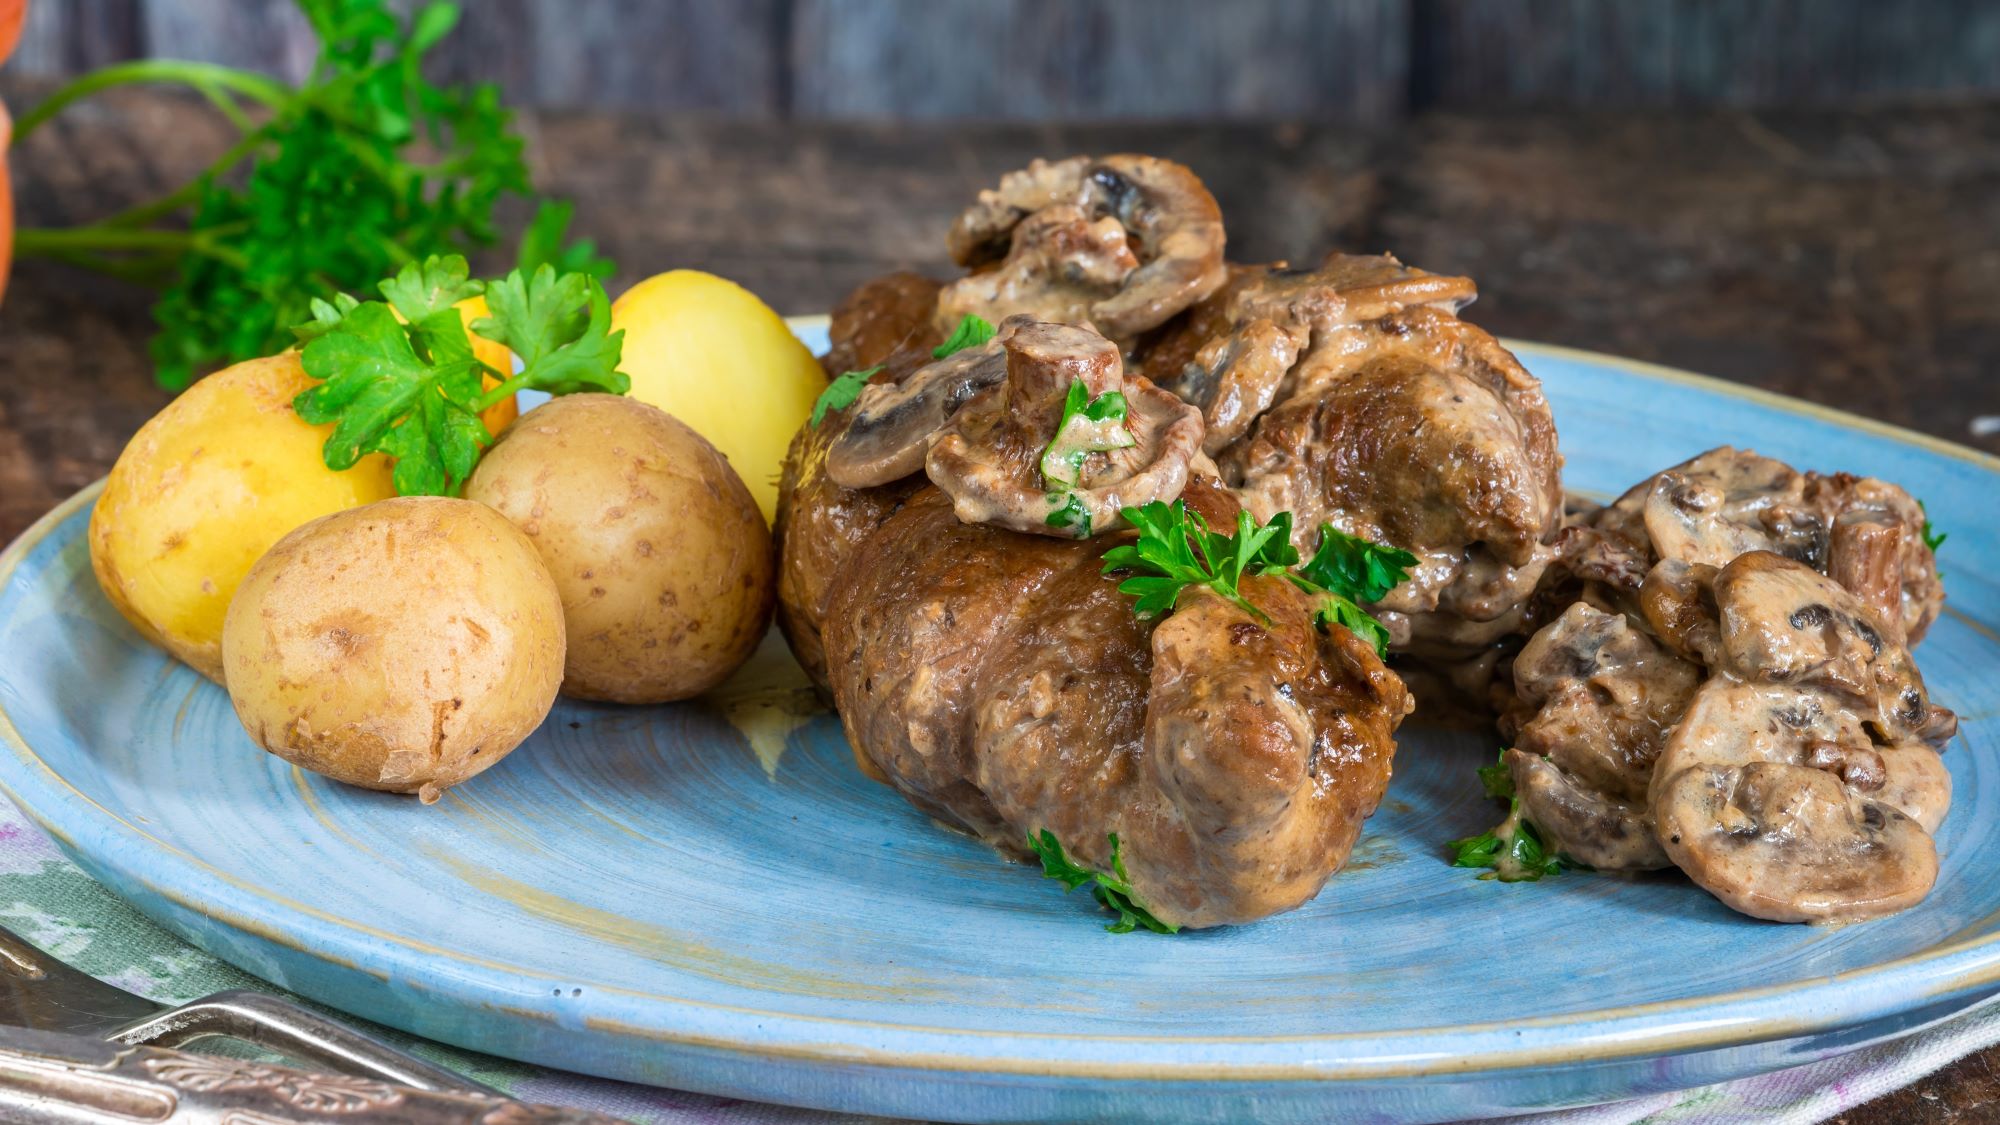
(12, 14)
(492, 355)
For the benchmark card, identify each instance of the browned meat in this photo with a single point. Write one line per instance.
(1116, 244)
(1230, 354)
(1352, 394)
(820, 525)
(1419, 430)
(1804, 783)
(1005, 686)
(892, 313)
(886, 323)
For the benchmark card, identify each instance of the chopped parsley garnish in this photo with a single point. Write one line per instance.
(1088, 425)
(1513, 848)
(972, 331)
(1071, 514)
(1348, 570)
(1176, 549)
(1933, 538)
(1113, 890)
(841, 393)
(412, 389)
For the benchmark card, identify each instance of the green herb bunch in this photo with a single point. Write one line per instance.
(1112, 889)
(1514, 848)
(334, 184)
(1177, 550)
(399, 376)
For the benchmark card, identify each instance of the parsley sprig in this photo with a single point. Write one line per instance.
(972, 331)
(841, 393)
(1177, 549)
(1087, 425)
(1514, 848)
(399, 377)
(1933, 538)
(1113, 890)
(335, 183)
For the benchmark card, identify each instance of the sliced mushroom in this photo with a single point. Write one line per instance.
(1877, 550)
(1726, 502)
(1678, 600)
(1118, 244)
(1864, 533)
(1601, 697)
(1006, 458)
(891, 425)
(1731, 723)
(1793, 844)
(1783, 621)
(1585, 824)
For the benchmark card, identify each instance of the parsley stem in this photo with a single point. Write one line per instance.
(208, 78)
(40, 242)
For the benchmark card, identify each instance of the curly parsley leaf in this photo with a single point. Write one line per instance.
(411, 387)
(1356, 568)
(972, 332)
(559, 324)
(1345, 572)
(1513, 849)
(841, 393)
(1177, 549)
(1113, 890)
(438, 283)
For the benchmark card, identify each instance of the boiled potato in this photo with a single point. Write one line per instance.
(663, 561)
(203, 490)
(403, 646)
(708, 352)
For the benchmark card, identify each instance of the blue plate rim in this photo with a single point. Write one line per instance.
(1716, 1020)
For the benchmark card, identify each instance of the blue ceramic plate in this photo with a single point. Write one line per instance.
(710, 896)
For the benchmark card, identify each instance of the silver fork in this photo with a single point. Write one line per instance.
(86, 1043)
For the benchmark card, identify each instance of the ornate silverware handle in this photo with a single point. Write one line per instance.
(53, 1079)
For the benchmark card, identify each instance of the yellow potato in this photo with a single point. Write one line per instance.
(203, 490)
(708, 352)
(664, 565)
(405, 646)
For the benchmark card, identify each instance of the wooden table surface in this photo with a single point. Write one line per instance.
(1852, 259)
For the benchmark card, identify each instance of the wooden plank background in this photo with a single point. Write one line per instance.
(1366, 61)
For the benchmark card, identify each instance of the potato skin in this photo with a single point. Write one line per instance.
(700, 347)
(662, 557)
(203, 490)
(405, 646)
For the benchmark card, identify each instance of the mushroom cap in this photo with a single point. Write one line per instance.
(1119, 244)
(1583, 823)
(1792, 844)
(990, 457)
(891, 424)
(1783, 621)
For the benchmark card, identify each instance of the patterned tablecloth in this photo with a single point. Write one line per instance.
(48, 901)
